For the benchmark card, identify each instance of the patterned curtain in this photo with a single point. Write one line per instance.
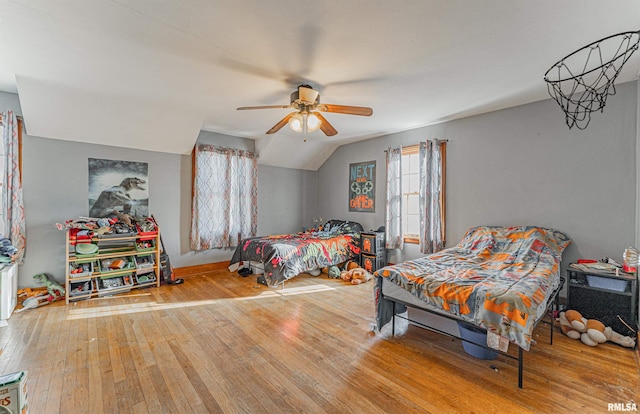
(225, 197)
(430, 214)
(13, 206)
(393, 212)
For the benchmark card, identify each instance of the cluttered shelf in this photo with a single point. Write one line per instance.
(107, 257)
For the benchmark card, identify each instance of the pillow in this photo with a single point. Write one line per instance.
(342, 226)
(331, 224)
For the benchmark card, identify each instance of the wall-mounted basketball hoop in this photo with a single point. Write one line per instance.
(581, 82)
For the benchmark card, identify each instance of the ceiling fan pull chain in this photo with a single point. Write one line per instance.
(305, 127)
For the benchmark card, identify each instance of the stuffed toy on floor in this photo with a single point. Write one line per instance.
(355, 275)
(590, 331)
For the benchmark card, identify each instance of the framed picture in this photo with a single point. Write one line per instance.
(362, 186)
(120, 186)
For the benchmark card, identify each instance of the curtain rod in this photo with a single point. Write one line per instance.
(439, 140)
(20, 117)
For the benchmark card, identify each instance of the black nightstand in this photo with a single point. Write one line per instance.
(373, 254)
(605, 296)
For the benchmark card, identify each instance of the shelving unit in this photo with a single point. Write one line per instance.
(604, 296)
(140, 255)
(373, 254)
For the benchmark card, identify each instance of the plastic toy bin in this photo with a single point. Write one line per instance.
(116, 264)
(81, 288)
(473, 335)
(106, 285)
(616, 285)
(80, 269)
(145, 245)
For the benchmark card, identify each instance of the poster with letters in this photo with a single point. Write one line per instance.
(362, 186)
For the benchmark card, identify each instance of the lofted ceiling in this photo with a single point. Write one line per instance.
(152, 74)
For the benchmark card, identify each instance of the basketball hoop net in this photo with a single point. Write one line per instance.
(581, 82)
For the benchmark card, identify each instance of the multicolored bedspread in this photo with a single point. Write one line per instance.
(499, 278)
(285, 256)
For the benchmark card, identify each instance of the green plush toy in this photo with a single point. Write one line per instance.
(54, 288)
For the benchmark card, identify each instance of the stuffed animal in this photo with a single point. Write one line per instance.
(356, 275)
(590, 331)
(56, 291)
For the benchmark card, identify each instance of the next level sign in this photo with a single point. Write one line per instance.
(362, 186)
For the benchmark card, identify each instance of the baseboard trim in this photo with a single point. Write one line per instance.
(197, 269)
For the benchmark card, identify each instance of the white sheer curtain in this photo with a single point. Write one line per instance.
(430, 190)
(393, 213)
(13, 206)
(225, 197)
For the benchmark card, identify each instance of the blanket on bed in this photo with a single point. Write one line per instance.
(499, 278)
(285, 256)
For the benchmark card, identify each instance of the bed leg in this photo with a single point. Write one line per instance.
(553, 322)
(393, 320)
(520, 364)
(556, 307)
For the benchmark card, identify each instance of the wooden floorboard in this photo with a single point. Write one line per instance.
(220, 343)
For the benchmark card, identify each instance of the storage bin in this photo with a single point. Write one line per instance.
(77, 269)
(372, 243)
(85, 250)
(372, 263)
(257, 268)
(146, 245)
(106, 264)
(616, 285)
(144, 264)
(147, 278)
(147, 234)
(81, 288)
(107, 285)
(473, 335)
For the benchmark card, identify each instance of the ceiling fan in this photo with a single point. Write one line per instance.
(307, 117)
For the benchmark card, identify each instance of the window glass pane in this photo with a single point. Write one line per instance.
(412, 204)
(414, 164)
(414, 183)
(413, 225)
(405, 184)
(404, 165)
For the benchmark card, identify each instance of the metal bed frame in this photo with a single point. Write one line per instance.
(553, 304)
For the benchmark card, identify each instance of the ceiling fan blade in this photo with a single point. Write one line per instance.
(325, 126)
(244, 108)
(280, 124)
(346, 109)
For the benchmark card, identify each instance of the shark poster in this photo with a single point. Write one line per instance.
(118, 186)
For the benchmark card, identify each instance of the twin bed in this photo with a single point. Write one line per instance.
(501, 279)
(285, 256)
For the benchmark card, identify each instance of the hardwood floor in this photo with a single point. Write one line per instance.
(222, 343)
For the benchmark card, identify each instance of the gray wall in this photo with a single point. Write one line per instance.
(55, 182)
(517, 166)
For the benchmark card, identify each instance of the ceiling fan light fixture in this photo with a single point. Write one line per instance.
(313, 122)
(303, 122)
(295, 122)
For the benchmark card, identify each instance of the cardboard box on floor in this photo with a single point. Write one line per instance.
(13, 393)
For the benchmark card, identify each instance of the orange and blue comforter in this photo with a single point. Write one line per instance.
(499, 278)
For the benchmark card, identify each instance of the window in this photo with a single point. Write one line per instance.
(400, 206)
(410, 194)
(225, 197)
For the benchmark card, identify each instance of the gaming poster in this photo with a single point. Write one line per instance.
(362, 186)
